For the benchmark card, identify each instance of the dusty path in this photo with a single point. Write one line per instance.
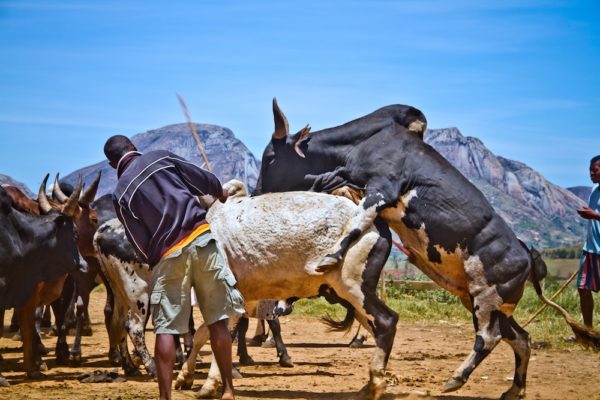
(423, 357)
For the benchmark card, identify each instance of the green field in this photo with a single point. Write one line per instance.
(561, 267)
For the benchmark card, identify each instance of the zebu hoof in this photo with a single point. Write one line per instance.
(35, 375)
(132, 371)
(53, 331)
(184, 381)
(453, 384)
(328, 263)
(43, 349)
(17, 336)
(513, 393)
(114, 357)
(62, 355)
(4, 382)
(43, 366)
(286, 361)
(151, 369)
(86, 331)
(246, 360)
(257, 340)
(357, 343)
(207, 393)
(75, 359)
(235, 373)
(269, 344)
(136, 359)
(372, 391)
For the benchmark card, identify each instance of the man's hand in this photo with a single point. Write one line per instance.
(224, 197)
(588, 213)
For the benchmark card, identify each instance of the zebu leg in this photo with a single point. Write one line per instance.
(488, 335)
(188, 338)
(242, 349)
(114, 357)
(375, 199)
(60, 306)
(211, 385)
(492, 306)
(284, 359)
(518, 339)
(75, 353)
(3, 381)
(136, 327)
(185, 378)
(357, 284)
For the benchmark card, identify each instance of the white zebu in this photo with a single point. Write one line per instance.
(274, 244)
(129, 279)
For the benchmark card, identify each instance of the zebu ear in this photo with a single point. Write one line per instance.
(281, 123)
(301, 137)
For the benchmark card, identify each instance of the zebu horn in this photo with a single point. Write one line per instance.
(299, 138)
(90, 193)
(58, 194)
(42, 198)
(72, 205)
(281, 123)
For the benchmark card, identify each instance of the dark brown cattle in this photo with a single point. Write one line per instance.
(38, 250)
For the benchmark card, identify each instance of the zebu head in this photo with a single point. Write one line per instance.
(284, 163)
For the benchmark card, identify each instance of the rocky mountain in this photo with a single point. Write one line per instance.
(7, 180)
(228, 156)
(541, 213)
(583, 192)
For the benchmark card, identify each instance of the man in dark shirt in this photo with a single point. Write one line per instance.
(155, 199)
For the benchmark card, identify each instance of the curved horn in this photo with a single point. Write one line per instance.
(90, 193)
(281, 123)
(299, 138)
(58, 194)
(72, 204)
(42, 198)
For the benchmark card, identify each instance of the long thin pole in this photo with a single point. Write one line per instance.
(193, 129)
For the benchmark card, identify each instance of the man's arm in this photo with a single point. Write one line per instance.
(588, 213)
(199, 181)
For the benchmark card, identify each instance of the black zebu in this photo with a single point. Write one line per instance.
(36, 253)
(451, 231)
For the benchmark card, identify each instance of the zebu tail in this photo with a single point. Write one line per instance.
(332, 298)
(587, 337)
(340, 326)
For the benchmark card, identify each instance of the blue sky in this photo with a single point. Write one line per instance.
(521, 75)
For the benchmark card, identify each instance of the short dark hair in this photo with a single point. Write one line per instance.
(116, 146)
(595, 160)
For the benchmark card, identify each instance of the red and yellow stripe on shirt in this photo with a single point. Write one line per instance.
(200, 229)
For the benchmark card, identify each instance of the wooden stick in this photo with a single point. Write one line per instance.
(560, 289)
(193, 129)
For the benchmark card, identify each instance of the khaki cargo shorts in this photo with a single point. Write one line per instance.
(200, 265)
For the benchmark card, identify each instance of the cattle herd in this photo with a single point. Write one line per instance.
(317, 224)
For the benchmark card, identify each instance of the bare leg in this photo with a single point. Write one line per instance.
(164, 354)
(220, 341)
(587, 307)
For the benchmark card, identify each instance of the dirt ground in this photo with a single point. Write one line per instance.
(423, 358)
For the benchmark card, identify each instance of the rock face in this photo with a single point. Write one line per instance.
(228, 156)
(540, 213)
(7, 180)
(583, 192)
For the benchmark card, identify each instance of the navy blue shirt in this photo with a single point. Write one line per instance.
(155, 200)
